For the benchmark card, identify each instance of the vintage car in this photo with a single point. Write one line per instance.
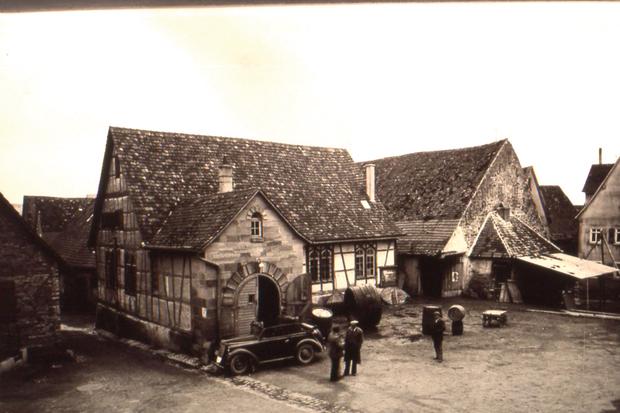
(284, 341)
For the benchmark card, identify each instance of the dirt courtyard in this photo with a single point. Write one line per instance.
(538, 362)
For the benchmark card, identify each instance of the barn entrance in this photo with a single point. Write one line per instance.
(258, 298)
(431, 274)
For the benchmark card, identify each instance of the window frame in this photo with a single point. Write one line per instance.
(365, 253)
(320, 266)
(111, 268)
(131, 273)
(256, 226)
(592, 239)
(616, 240)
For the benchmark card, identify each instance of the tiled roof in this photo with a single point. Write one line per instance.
(71, 243)
(560, 213)
(432, 185)
(425, 237)
(510, 238)
(316, 189)
(55, 212)
(597, 174)
(7, 210)
(195, 223)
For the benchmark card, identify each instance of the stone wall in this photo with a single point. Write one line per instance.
(33, 274)
(505, 183)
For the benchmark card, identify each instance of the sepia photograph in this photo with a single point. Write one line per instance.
(309, 206)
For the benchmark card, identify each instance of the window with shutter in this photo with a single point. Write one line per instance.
(130, 273)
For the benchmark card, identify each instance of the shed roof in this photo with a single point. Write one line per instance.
(569, 265)
(560, 213)
(433, 185)
(425, 237)
(317, 190)
(597, 174)
(510, 238)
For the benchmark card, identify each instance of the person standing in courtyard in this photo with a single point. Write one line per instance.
(439, 326)
(352, 348)
(334, 341)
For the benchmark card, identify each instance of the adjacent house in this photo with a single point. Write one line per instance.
(599, 219)
(469, 221)
(29, 287)
(64, 223)
(198, 236)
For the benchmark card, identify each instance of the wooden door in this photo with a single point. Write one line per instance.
(247, 302)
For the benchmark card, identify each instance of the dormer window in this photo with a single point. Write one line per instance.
(256, 226)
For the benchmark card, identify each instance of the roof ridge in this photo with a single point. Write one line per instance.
(536, 232)
(197, 135)
(613, 166)
(434, 151)
(495, 216)
(486, 172)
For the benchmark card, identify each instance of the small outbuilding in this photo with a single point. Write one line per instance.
(29, 287)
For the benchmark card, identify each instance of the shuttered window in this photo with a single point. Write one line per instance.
(111, 268)
(130, 273)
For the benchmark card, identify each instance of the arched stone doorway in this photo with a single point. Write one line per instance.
(257, 298)
(254, 292)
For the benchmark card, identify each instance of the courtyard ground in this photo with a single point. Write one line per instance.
(539, 362)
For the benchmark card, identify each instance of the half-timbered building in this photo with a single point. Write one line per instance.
(197, 236)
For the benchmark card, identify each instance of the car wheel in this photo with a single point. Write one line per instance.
(305, 353)
(240, 364)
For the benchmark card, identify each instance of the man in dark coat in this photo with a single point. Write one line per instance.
(352, 348)
(334, 341)
(439, 326)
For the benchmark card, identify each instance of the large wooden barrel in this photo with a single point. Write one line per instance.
(363, 303)
(456, 312)
(323, 318)
(428, 318)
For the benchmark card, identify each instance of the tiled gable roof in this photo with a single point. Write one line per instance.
(12, 215)
(316, 189)
(510, 238)
(195, 223)
(425, 237)
(432, 185)
(597, 174)
(71, 242)
(55, 212)
(560, 213)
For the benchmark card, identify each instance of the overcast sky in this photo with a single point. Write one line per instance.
(379, 80)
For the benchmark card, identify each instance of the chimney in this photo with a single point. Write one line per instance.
(370, 181)
(226, 176)
(504, 212)
(600, 156)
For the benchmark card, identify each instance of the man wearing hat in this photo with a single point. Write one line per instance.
(439, 326)
(352, 347)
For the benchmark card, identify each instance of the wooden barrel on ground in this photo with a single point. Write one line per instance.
(363, 303)
(457, 328)
(456, 312)
(323, 318)
(428, 318)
